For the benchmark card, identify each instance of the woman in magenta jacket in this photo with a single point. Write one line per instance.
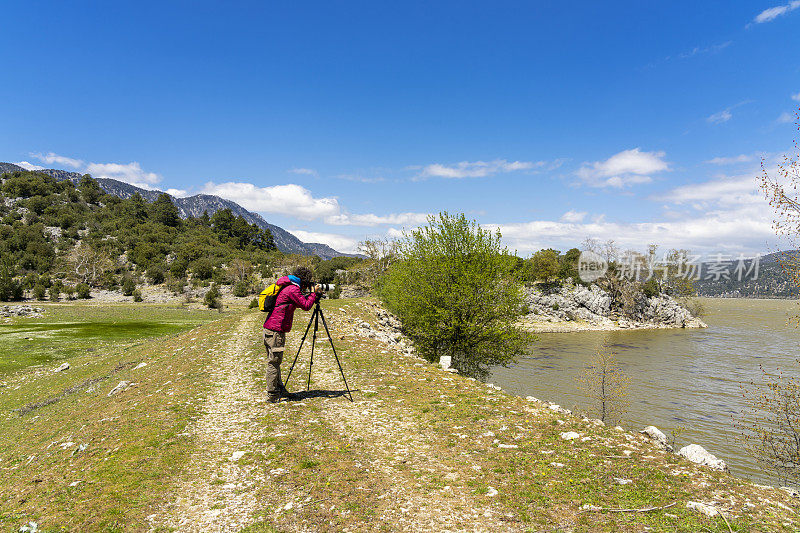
(279, 322)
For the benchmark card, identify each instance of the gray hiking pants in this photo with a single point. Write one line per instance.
(274, 342)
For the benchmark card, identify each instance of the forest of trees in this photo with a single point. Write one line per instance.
(74, 237)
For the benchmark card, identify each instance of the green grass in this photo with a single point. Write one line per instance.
(67, 330)
(136, 445)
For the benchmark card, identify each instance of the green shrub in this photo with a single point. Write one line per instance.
(213, 298)
(253, 304)
(203, 268)
(39, 291)
(156, 274)
(128, 286)
(55, 292)
(454, 288)
(241, 288)
(83, 291)
(137, 295)
(651, 288)
(10, 289)
(176, 286)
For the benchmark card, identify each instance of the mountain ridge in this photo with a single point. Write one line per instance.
(194, 206)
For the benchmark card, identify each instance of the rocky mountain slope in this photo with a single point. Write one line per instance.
(195, 206)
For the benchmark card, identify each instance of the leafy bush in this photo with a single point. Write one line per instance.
(651, 288)
(241, 288)
(137, 295)
(203, 268)
(176, 285)
(128, 286)
(253, 304)
(156, 274)
(55, 292)
(213, 298)
(39, 291)
(454, 289)
(83, 291)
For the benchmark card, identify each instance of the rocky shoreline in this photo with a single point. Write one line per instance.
(579, 308)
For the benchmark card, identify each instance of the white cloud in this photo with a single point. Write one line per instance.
(28, 166)
(130, 173)
(369, 219)
(477, 169)
(628, 167)
(699, 50)
(51, 158)
(712, 232)
(178, 193)
(728, 192)
(573, 216)
(796, 97)
(292, 200)
(723, 116)
(341, 243)
(742, 158)
(772, 13)
(785, 118)
(304, 171)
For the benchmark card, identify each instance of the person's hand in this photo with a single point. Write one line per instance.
(318, 289)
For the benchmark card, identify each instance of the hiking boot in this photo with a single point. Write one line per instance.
(273, 398)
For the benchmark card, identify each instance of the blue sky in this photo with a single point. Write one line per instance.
(554, 121)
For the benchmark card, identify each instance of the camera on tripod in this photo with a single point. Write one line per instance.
(323, 287)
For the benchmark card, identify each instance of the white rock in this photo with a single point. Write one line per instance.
(656, 435)
(622, 481)
(697, 454)
(74, 484)
(492, 492)
(140, 365)
(702, 508)
(507, 446)
(119, 388)
(569, 435)
(445, 361)
(237, 455)
(557, 465)
(590, 507)
(63, 367)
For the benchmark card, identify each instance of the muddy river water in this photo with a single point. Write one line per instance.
(678, 378)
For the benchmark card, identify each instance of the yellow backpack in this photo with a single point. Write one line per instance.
(268, 298)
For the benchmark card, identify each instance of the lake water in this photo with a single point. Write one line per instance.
(690, 378)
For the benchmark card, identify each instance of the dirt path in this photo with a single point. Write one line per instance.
(217, 493)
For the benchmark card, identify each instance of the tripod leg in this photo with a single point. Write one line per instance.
(297, 354)
(330, 339)
(317, 311)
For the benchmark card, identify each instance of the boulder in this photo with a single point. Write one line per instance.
(64, 366)
(119, 388)
(697, 454)
(656, 435)
(702, 508)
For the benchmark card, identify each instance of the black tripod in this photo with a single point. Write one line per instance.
(315, 319)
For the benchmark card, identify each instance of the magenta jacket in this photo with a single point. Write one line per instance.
(289, 299)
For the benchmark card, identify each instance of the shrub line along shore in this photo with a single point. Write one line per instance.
(190, 443)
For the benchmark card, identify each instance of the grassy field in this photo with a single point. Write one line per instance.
(70, 329)
(192, 445)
